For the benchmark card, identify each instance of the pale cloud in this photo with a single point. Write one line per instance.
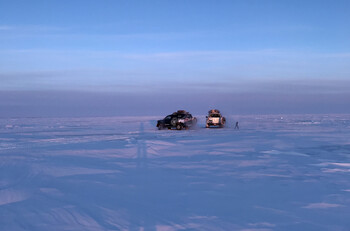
(79, 33)
(269, 72)
(4, 28)
(202, 54)
(336, 55)
(257, 229)
(342, 164)
(263, 224)
(187, 54)
(322, 206)
(32, 28)
(196, 65)
(154, 101)
(143, 80)
(278, 53)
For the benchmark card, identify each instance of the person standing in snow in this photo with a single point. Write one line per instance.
(237, 127)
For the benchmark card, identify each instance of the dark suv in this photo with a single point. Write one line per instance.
(179, 120)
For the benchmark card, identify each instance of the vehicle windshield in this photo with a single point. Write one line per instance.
(168, 117)
(214, 115)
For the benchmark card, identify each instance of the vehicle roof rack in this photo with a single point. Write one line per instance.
(214, 111)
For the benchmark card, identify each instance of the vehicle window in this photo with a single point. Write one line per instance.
(214, 115)
(167, 117)
(181, 116)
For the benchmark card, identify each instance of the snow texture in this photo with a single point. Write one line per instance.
(287, 172)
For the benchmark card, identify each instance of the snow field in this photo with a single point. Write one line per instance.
(278, 172)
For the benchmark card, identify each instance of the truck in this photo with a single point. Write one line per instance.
(215, 118)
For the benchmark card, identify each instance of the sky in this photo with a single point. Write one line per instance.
(111, 57)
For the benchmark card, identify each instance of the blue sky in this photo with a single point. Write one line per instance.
(154, 48)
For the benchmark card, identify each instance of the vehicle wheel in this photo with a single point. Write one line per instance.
(179, 127)
(207, 126)
(173, 121)
(160, 127)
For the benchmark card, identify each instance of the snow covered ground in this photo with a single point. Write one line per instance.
(289, 172)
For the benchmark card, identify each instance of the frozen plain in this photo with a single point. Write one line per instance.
(289, 172)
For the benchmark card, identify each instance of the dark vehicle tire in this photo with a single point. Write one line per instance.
(160, 127)
(173, 121)
(179, 127)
